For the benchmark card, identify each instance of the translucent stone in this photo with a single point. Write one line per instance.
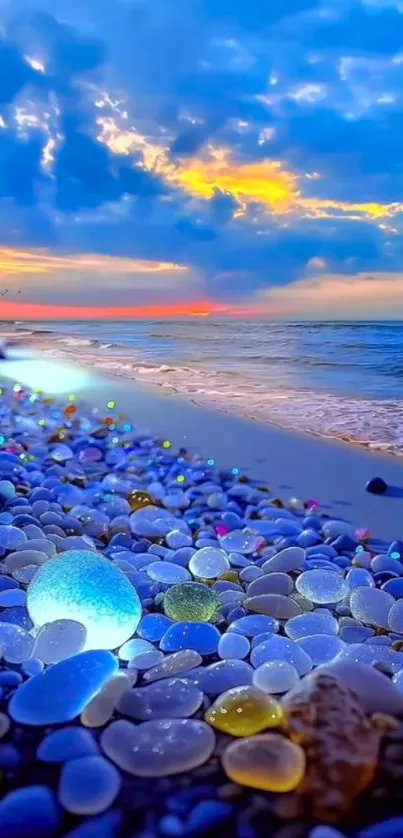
(313, 622)
(358, 576)
(233, 645)
(66, 744)
(321, 648)
(11, 537)
(100, 709)
(158, 748)
(176, 539)
(370, 605)
(88, 785)
(168, 573)
(273, 605)
(12, 597)
(280, 648)
(170, 698)
(202, 637)
(32, 811)
(240, 541)
(209, 563)
(154, 522)
(271, 583)
(153, 627)
(15, 642)
(395, 617)
(138, 499)
(244, 711)
(61, 453)
(268, 762)
(175, 664)
(134, 647)
(32, 666)
(292, 558)
(254, 624)
(60, 640)
(146, 660)
(84, 586)
(275, 677)
(322, 586)
(221, 676)
(191, 602)
(62, 691)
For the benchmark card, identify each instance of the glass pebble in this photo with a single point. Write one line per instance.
(84, 586)
(168, 573)
(244, 711)
(100, 709)
(88, 785)
(221, 676)
(268, 762)
(240, 541)
(66, 744)
(32, 666)
(313, 622)
(209, 563)
(358, 576)
(370, 605)
(322, 586)
(254, 624)
(170, 698)
(174, 664)
(152, 627)
(201, 637)
(134, 647)
(14, 596)
(233, 645)
(191, 602)
(395, 617)
(59, 640)
(275, 677)
(32, 811)
(280, 648)
(16, 643)
(321, 648)
(158, 748)
(146, 660)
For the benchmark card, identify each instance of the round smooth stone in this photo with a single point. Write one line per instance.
(61, 693)
(152, 627)
(254, 624)
(221, 676)
(66, 744)
(280, 648)
(24, 558)
(240, 541)
(201, 637)
(175, 664)
(322, 586)
(358, 576)
(88, 785)
(271, 583)
(146, 660)
(12, 597)
(177, 539)
(134, 647)
(313, 622)
(59, 640)
(234, 646)
(170, 698)
(395, 617)
(209, 563)
(15, 642)
(31, 811)
(268, 762)
(275, 677)
(372, 606)
(273, 605)
(292, 558)
(11, 537)
(167, 573)
(244, 711)
(321, 648)
(191, 602)
(86, 587)
(61, 453)
(158, 748)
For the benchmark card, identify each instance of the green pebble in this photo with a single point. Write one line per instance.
(191, 602)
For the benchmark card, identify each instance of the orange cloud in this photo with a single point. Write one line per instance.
(16, 262)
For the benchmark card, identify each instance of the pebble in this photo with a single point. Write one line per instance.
(167, 573)
(268, 762)
(221, 676)
(16, 643)
(270, 583)
(158, 748)
(280, 648)
(60, 640)
(244, 711)
(209, 563)
(61, 693)
(100, 709)
(174, 664)
(370, 605)
(314, 622)
(66, 744)
(376, 486)
(191, 601)
(88, 785)
(170, 698)
(254, 624)
(292, 558)
(392, 828)
(321, 648)
(240, 541)
(275, 677)
(233, 645)
(322, 586)
(153, 626)
(201, 637)
(29, 811)
(395, 617)
(273, 605)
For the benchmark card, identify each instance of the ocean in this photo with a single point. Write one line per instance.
(335, 379)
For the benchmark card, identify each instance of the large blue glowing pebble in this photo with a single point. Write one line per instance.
(63, 691)
(82, 585)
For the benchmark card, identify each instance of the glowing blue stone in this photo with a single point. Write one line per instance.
(82, 585)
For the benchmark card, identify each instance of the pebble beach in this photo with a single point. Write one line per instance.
(185, 648)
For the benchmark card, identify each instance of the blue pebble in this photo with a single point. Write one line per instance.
(323, 564)
(10, 679)
(342, 561)
(231, 520)
(344, 542)
(236, 614)
(152, 627)
(392, 828)
(7, 583)
(396, 547)
(308, 538)
(283, 543)
(254, 624)
(384, 576)
(12, 596)
(29, 811)
(394, 587)
(61, 692)
(325, 550)
(201, 637)
(311, 522)
(209, 814)
(105, 826)
(67, 743)
(18, 616)
(10, 756)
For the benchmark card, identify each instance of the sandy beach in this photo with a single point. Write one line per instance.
(293, 465)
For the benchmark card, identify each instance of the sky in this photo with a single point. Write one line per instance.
(201, 157)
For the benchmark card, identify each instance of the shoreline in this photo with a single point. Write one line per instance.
(290, 463)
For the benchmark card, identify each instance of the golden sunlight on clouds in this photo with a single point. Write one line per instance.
(362, 295)
(15, 262)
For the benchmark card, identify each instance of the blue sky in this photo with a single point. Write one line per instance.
(242, 152)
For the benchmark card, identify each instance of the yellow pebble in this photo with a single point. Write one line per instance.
(230, 576)
(138, 499)
(268, 762)
(244, 711)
